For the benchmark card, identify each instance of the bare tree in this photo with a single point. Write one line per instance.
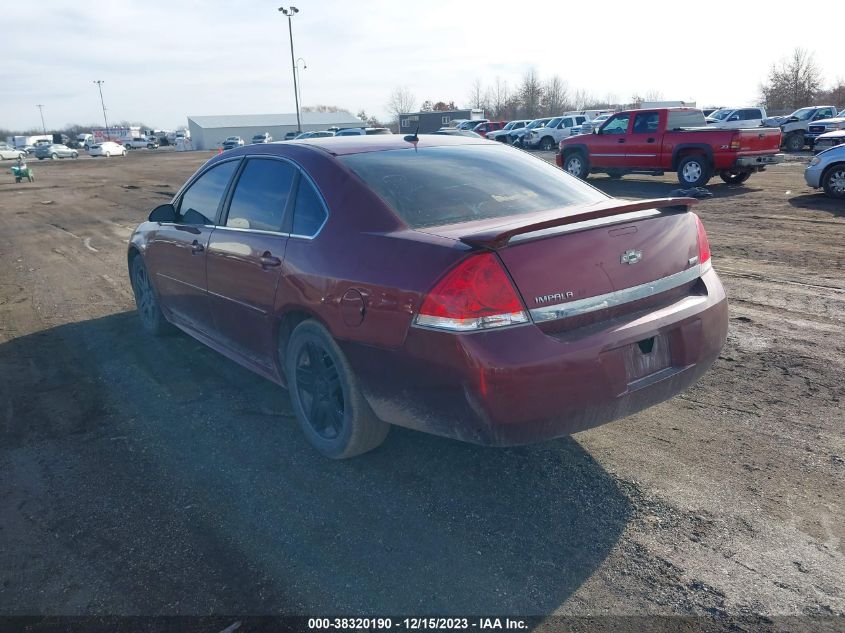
(653, 95)
(836, 93)
(530, 93)
(555, 98)
(401, 100)
(499, 98)
(792, 83)
(477, 96)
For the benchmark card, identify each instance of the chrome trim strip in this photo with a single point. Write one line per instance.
(240, 303)
(179, 281)
(618, 297)
(258, 231)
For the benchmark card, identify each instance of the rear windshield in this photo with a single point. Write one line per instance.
(434, 186)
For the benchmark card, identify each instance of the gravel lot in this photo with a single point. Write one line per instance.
(145, 476)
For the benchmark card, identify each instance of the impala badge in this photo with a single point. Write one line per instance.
(631, 257)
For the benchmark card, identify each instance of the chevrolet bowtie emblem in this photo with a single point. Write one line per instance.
(631, 257)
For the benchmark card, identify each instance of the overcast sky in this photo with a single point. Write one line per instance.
(163, 60)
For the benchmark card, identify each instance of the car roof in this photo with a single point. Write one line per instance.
(343, 145)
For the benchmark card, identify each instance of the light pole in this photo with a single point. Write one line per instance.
(290, 12)
(99, 83)
(40, 107)
(299, 77)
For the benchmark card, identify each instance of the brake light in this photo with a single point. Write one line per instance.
(703, 244)
(735, 142)
(474, 295)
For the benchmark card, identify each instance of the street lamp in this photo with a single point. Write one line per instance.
(299, 77)
(40, 107)
(99, 83)
(290, 12)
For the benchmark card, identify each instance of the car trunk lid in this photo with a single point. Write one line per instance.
(594, 259)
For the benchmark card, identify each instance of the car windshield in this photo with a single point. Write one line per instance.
(554, 122)
(509, 126)
(435, 186)
(720, 115)
(841, 114)
(802, 114)
(536, 123)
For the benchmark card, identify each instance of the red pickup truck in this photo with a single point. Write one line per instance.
(670, 139)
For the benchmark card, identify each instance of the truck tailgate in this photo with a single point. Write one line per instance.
(761, 140)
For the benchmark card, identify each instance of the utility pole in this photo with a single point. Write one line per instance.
(40, 107)
(100, 83)
(290, 13)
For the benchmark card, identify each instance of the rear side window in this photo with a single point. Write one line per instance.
(261, 195)
(309, 212)
(202, 199)
(679, 119)
(435, 186)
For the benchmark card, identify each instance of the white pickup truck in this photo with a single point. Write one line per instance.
(550, 136)
(139, 142)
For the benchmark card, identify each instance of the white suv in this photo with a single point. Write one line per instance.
(550, 136)
(736, 118)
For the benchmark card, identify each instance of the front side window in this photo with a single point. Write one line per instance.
(617, 125)
(435, 186)
(261, 195)
(553, 123)
(309, 213)
(200, 202)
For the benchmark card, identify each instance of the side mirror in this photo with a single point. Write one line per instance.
(163, 213)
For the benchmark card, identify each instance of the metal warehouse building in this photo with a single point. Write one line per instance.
(433, 120)
(208, 132)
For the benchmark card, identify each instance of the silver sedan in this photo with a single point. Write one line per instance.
(55, 151)
(827, 171)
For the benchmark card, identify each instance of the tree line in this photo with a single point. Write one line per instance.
(796, 81)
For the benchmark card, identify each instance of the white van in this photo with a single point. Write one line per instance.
(736, 118)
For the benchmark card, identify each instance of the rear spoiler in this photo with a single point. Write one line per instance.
(499, 236)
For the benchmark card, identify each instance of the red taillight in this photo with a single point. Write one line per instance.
(735, 141)
(476, 294)
(703, 242)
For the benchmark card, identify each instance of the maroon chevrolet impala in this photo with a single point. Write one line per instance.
(457, 286)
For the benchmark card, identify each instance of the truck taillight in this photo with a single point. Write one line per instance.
(735, 142)
(475, 295)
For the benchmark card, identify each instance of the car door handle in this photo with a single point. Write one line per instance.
(196, 247)
(651, 140)
(620, 140)
(268, 261)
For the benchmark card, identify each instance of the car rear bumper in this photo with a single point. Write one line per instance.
(521, 385)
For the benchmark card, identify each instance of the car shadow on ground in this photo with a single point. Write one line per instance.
(819, 202)
(631, 187)
(155, 476)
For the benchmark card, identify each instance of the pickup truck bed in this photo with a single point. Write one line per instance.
(670, 139)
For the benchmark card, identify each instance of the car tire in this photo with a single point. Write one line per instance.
(794, 142)
(547, 144)
(693, 171)
(127, 147)
(74, 155)
(576, 165)
(146, 300)
(54, 156)
(833, 181)
(331, 410)
(734, 178)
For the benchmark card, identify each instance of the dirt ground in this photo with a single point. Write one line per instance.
(147, 476)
